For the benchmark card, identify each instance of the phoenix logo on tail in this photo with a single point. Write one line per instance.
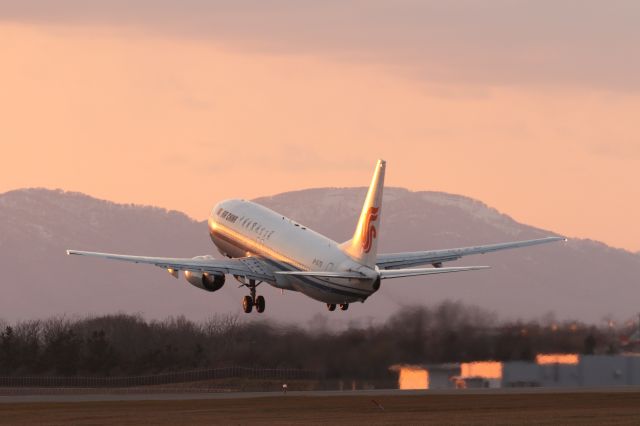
(369, 230)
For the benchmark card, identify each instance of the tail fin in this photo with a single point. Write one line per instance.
(363, 247)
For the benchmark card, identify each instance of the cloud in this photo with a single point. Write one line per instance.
(586, 43)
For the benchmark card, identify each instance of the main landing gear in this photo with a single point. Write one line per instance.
(332, 306)
(248, 302)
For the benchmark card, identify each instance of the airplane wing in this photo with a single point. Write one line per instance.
(249, 267)
(437, 257)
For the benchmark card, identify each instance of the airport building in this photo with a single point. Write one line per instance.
(548, 370)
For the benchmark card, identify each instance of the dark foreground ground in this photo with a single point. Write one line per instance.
(583, 408)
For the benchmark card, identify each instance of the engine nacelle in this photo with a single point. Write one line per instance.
(205, 281)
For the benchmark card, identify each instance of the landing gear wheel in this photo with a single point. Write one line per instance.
(260, 304)
(344, 306)
(331, 306)
(247, 304)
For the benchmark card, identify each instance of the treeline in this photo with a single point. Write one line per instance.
(128, 345)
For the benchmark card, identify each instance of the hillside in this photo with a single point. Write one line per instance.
(580, 279)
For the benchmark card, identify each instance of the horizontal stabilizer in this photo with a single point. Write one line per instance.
(323, 274)
(399, 273)
(384, 274)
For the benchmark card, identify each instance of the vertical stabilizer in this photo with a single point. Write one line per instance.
(363, 247)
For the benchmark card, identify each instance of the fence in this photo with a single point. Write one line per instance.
(162, 379)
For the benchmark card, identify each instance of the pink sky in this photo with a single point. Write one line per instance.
(133, 114)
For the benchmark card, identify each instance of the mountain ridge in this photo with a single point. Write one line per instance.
(480, 203)
(584, 279)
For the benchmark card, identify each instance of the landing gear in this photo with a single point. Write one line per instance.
(332, 306)
(260, 304)
(248, 302)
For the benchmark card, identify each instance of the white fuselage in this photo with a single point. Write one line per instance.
(241, 228)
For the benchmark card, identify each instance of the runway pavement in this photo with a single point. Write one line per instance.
(184, 396)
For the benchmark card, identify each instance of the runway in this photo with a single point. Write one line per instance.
(90, 395)
(496, 407)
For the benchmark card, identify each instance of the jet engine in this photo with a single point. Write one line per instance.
(204, 280)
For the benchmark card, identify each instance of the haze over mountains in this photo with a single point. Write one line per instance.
(581, 279)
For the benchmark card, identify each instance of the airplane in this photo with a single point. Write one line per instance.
(263, 246)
